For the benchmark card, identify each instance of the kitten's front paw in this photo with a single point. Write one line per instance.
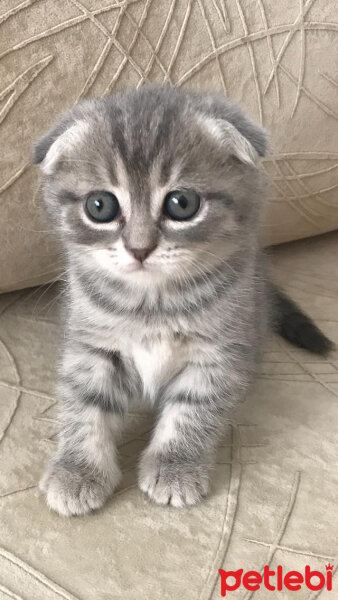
(177, 483)
(72, 492)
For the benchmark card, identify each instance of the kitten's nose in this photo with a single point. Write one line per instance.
(141, 253)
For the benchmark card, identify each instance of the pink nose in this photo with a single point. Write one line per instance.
(141, 253)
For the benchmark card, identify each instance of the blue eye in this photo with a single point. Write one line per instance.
(181, 205)
(102, 207)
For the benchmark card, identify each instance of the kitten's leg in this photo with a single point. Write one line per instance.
(84, 471)
(175, 467)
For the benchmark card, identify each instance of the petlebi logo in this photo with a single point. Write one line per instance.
(277, 580)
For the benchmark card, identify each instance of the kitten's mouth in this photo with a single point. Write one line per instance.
(136, 267)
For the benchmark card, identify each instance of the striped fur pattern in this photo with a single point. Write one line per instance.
(181, 332)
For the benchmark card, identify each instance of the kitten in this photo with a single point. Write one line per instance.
(157, 195)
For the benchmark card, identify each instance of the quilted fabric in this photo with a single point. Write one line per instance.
(274, 492)
(276, 58)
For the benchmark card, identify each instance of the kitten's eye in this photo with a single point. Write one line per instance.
(181, 205)
(102, 207)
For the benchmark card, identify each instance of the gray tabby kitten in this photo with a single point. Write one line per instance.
(157, 195)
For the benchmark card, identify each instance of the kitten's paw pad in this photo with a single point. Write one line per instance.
(72, 493)
(176, 484)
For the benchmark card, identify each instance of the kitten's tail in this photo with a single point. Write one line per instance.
(291, 323)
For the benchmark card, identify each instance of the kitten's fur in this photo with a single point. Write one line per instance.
(186, 332)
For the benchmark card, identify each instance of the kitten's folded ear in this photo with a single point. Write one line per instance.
(238, 134)
(244, 140)
(59, 142)
(252, 132)
(44, 144)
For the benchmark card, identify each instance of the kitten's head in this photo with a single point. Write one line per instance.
(153, 185)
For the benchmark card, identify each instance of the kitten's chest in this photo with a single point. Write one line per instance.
(157, 360)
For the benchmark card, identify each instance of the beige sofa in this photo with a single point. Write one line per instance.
(275, 490)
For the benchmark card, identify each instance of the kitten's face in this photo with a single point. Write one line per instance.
(150, 186)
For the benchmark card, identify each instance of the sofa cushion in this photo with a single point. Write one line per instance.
(273, 58)
(274, 491)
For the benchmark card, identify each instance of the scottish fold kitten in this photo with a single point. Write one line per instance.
(157, 195)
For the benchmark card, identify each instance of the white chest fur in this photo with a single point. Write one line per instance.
(157, 356)
(157, 361)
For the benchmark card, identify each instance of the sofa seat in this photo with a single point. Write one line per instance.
(274, 491)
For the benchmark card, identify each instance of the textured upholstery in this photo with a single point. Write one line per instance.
(274, 492)
(275, 58)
